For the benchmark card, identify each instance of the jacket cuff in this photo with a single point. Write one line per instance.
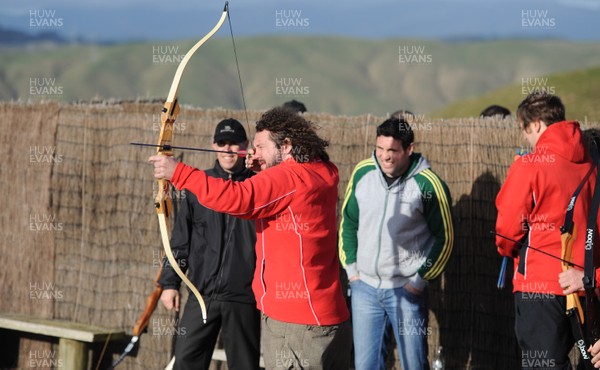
(418, 282)
(169, 286)
(351, 270)
(177, 174)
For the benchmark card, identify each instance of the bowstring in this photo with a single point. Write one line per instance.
(237, 65)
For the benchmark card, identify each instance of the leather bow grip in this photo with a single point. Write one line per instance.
(573, 301)
(168, 115)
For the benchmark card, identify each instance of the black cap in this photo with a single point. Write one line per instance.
(230, 130)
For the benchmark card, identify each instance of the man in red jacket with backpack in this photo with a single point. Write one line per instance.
(537, 200)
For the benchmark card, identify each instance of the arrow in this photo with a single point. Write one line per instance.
(536, 249)
(167, 147)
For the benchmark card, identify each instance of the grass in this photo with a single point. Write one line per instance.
(336, 75)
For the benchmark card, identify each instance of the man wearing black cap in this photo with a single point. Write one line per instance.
(217, 250)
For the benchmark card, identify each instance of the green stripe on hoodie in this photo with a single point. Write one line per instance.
(348, 242)
(439, 220)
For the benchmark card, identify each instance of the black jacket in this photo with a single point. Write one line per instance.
(219, 262)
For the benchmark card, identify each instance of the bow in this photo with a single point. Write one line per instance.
(568, 236)
(589, 277)
(574, 310)
(163, 202)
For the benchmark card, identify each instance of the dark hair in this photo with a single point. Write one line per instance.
(403, 114)
(541, 106)
(283, 124)
(399, 129)
(295, 105)
(495, 110)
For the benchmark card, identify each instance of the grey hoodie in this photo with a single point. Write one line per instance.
(392, 235)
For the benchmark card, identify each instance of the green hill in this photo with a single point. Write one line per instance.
(329, 74)
(579, 91)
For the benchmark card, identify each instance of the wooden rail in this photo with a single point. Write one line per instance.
(73, 338)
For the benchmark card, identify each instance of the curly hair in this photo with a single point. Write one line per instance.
(285, 124)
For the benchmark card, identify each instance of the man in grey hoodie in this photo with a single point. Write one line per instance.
(396, 234)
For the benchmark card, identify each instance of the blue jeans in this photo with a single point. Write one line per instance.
(372, 310)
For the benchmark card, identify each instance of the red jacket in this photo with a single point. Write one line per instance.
(294, 204)
(534, 197)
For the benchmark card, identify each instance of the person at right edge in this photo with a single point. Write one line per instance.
(396, 234)
(532, 205)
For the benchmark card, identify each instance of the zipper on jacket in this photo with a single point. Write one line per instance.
(229, 222)
(227, 233)
(387, 194)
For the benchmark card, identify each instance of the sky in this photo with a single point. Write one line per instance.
(135, 20)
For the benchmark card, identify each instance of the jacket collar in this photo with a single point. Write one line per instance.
(240, 174)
